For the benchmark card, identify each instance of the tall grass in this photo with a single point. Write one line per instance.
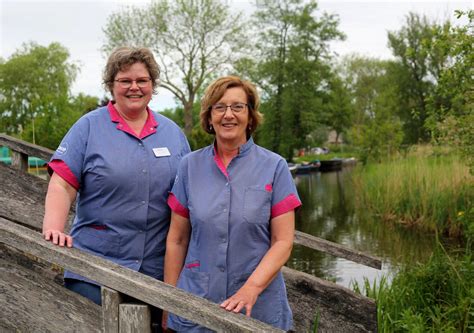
(434, 297)
(432, 192)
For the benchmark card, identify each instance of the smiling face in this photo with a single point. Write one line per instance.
(230, 127)
(133, 99)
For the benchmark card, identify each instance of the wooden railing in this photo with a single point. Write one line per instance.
(16, 232)
(128, 282)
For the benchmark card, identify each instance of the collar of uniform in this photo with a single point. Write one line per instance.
(149, 128)
(243, 150)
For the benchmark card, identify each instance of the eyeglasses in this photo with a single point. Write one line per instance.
(235, 107)
(142, 82)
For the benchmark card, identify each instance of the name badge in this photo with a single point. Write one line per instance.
(161, 152)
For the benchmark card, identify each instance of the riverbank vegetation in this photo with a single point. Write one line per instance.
(437, 296)
(429, 191)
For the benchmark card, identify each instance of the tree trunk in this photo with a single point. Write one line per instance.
(188, 117)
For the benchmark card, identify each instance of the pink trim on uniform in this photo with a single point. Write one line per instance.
(97, 227)
(148, 128)
(177, 207)
(193, 264)
(268, 187)
(63, 171)
(289, 203)
(219, 163)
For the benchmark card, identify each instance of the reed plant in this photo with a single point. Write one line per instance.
(437, 296)
(430, 191)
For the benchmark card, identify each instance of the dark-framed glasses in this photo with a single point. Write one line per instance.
(234, 107)
(142, 82)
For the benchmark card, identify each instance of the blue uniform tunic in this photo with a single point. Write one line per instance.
(230, 212)
(121, 209)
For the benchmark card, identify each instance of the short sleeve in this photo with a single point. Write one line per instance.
(72, 148)
(178, 199)
(284, 194)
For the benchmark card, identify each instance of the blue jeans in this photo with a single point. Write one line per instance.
(86, 289)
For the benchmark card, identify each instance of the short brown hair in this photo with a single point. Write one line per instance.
(217, 89)
(123, 57)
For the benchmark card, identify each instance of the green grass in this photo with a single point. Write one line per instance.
(427, 189)
(432, 192)
(434, 297)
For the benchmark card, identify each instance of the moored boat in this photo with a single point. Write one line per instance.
(334, 164)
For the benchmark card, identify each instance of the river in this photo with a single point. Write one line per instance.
(328, 212)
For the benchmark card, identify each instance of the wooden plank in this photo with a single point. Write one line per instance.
(25, 147)
(337, 250)
(124, 280)
(19, 161)
(32, 298)
(134, 318)
(111, 300)
(22, 197)
(339, 309)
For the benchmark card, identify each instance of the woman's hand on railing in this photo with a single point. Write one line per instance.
(57, 237)
(244, 298)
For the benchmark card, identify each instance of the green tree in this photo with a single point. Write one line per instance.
(35, 80)
(194, 41)
(422, 61)
(376, 128)
(84, 103)
(339, 113)
(451, 104)
(198, 137)
(290, 66)
(36, 104)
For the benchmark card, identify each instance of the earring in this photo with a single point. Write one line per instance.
(210, 127)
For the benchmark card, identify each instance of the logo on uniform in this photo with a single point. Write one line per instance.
(62, 149)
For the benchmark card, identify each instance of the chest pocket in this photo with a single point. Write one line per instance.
(98, 242)
(162, 173)
(257, 205)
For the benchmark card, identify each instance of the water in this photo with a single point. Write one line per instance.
(328, 212)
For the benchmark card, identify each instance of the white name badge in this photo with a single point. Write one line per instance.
(161, 152)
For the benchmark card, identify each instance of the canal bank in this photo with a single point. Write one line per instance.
(329, 212)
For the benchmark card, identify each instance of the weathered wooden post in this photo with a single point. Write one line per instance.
(111, 300)
(119, 317)
(19, 161)
(134, 318)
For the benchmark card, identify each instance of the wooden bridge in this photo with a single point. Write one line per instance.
(32, 296)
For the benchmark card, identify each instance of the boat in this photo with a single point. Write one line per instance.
(302, 169)
(334, 164)
(315, 165)
(292, 167)
(351, 161)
